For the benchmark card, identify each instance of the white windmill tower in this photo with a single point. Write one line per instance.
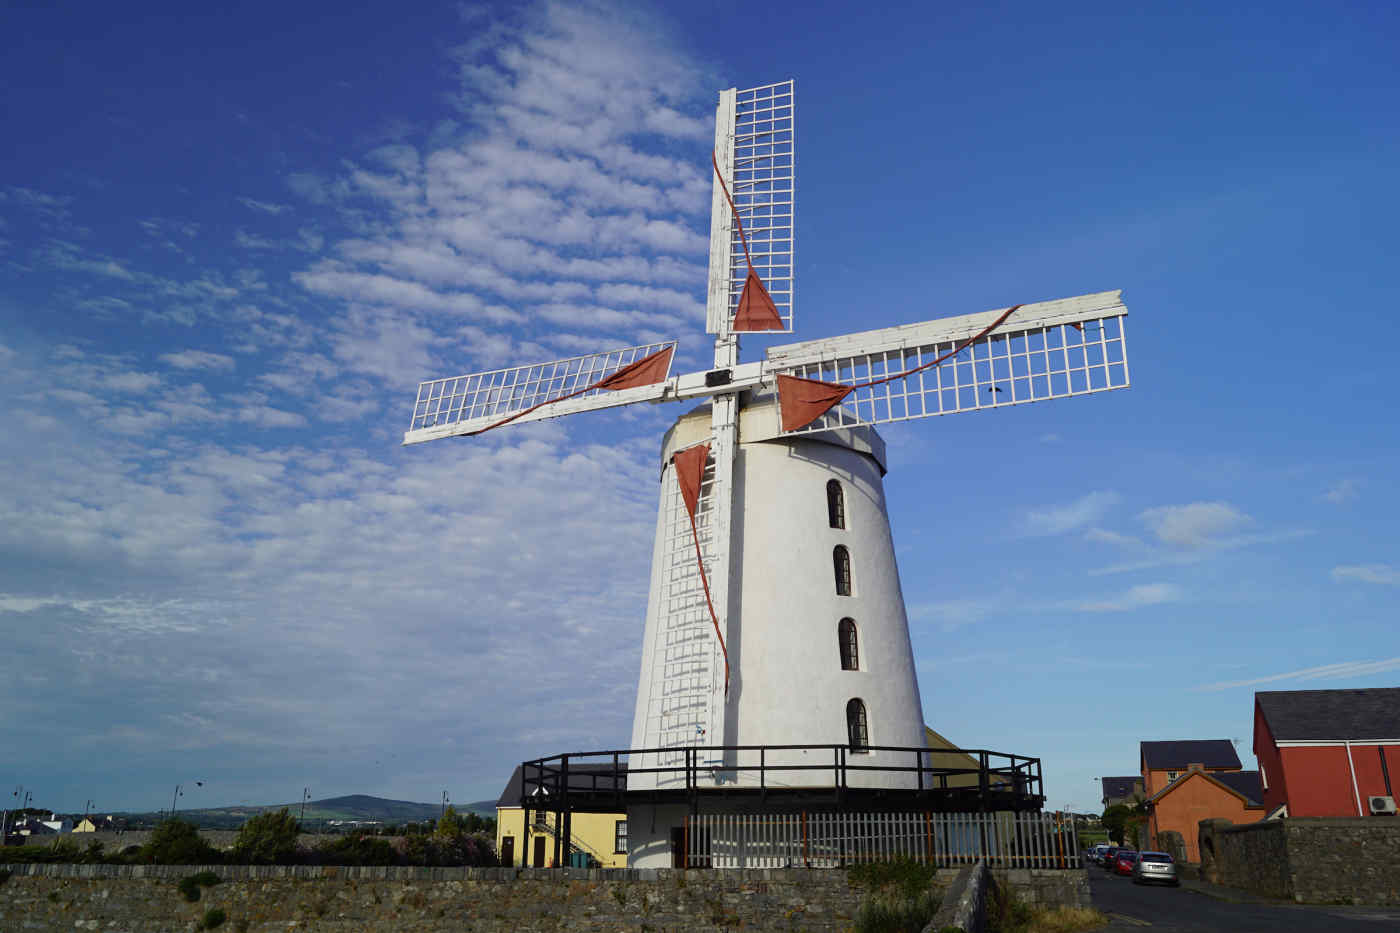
(775, 615)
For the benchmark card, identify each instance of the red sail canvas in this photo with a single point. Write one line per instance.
(803, 401)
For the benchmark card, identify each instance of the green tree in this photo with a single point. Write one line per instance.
(267, 839)
(1115, 820)
(176, 842)
(450, 826)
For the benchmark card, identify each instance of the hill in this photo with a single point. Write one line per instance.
(319, 812)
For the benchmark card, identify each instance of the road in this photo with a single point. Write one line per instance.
(1198, 908)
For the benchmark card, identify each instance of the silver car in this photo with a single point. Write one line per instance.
(1155, 867)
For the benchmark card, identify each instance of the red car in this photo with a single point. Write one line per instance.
(1123, 861)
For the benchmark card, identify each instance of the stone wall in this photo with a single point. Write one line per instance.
(1350, 860)
(315, 899)
(1043, 886)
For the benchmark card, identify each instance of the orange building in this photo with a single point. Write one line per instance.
(1190, 780)
(1202, 795)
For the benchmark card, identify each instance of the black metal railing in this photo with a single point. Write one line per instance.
(555, 782)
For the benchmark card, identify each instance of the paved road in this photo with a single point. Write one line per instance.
(1198, 908)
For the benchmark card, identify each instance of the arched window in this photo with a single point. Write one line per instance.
(841, 560)
(856, 729)
(835, 504)
(850, 653)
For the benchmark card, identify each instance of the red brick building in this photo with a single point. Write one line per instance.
(1327, 752)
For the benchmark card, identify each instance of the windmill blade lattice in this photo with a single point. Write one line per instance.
(470, 403)
(758, 161)
(1053, 349)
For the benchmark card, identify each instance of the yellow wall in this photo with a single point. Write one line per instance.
(591, 832)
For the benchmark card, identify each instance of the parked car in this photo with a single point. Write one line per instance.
(1098, 852)
(1107, 860)
(1124, 860)
(1156, 867)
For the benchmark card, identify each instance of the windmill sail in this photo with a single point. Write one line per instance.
(751, 227)
(469, 404)
(1028, 353)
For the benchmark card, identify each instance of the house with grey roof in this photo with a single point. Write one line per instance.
(1328, 752)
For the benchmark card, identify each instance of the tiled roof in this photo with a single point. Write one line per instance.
(1243, 782)
(1303, 715)
(1120, 786)
(1175, 756)
(583, 777)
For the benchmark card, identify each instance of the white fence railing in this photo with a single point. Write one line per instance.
(831, 840)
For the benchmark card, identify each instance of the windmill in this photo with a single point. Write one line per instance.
(773, 559)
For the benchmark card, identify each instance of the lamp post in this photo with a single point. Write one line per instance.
(5, 820)
(178, 794)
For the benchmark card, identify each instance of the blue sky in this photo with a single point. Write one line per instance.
(231, 242)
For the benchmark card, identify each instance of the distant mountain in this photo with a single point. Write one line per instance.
(317, 812)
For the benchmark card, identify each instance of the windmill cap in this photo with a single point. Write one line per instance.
(758, 417)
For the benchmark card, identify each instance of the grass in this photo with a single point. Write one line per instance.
(1008, 914)
(898, 899)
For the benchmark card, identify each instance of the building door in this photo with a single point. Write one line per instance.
(539, 851)
(508, 850)
(677, 846)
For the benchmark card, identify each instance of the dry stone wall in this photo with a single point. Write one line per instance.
(145, 899)
(1353, 860)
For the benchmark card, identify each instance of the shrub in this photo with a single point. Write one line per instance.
(213, 917)
(190, 884)
(890, 912)
(357, 849)
(899, 898)
(176, 842)
(267, 839)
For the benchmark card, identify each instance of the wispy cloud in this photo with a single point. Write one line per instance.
(266, 207)
(197, 359)
(1059, 519)
(1194, 525)
(1323, 672)
(1135, 597)
(1342, 491)
(1384, 574)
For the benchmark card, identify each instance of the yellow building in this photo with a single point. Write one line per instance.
(599, 840)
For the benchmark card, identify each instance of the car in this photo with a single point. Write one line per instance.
(1156, 867)
(1107, 860)
(1124, 860)
(1097, 852)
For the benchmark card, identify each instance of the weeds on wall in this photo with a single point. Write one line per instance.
(899, 896)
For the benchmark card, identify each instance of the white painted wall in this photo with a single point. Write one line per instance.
(788, 687)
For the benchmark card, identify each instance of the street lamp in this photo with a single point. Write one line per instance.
(5, 820)
(178, 794)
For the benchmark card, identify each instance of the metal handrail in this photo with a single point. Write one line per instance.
(550, 780)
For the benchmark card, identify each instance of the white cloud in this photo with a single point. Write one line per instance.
(1136, 597)
(265, 207)
(197, 359)
(1383, 574)
(1194, 525)
(1339, 671)
(1056, 520)
(1342, 491)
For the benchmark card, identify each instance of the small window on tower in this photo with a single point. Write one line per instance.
(856, 728)
(835, 504)
(841, 559)
(850, 653)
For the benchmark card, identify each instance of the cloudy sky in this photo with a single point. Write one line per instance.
(232, 242)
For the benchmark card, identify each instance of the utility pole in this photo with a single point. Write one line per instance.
(305, 796)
